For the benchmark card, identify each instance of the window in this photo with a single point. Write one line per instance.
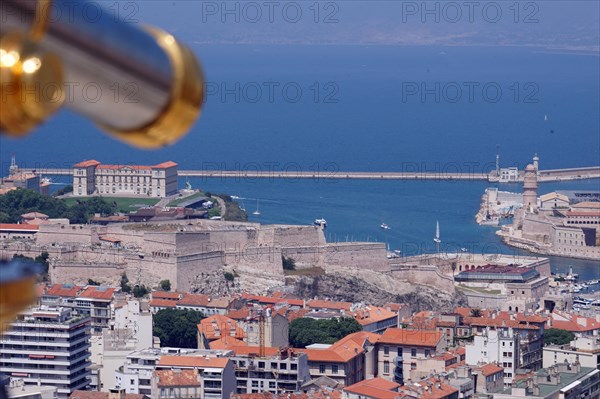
(322, 368)
(386, 367)
(427, 352)
(386, 350)
(413, 366)
(283, 366)
(334, 369)
(413, 352)
(274, 365)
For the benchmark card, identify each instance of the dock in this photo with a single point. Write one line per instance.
(553, 175)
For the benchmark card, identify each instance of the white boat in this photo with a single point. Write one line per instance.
(464, 250)
(390, 254)
(385, 226)
(397, 252)
(320, 222)
(437, 239)
(256, 212)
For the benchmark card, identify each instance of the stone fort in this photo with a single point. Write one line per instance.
(184, 251)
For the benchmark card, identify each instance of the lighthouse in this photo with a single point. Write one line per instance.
(530, 187)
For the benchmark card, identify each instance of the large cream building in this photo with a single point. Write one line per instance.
(92, 177)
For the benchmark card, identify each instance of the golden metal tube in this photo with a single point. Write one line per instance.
(146, 88)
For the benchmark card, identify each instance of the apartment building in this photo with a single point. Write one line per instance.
(398, 351)
(92, 177)
(216, 374)
(93, 301)
(347, 362)
(276, 372)
(562, 381)
(585, 350)
(48, 346)
(135, 374)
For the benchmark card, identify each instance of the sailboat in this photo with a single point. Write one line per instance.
(242, 206)
(437, 239)
(256, 212)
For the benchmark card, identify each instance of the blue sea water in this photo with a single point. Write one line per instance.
(336, 108)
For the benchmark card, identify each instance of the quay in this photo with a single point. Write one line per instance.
(553, 175)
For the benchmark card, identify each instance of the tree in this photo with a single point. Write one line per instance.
(65, 190)
(475, 312)
(307, 331)
(125, 287)
(44, 260)
(288, 263)
(453, 268)
(92, 282)
(165, 285)
(140, 291)
(556, 336)
(177, 327)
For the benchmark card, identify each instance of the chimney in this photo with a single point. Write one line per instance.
(116, 393)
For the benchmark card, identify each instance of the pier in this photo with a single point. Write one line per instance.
(553, 175)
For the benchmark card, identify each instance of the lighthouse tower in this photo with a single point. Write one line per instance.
(536, 163)
(530, 187)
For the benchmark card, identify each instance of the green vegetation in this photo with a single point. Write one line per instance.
(117, 204)
(17, 202)
(556, 336)
(476, 312)
(165, 285)
(140, 291)
(42, 259)
(125, 287)
(234, 212)
(214, 212)
(64, 190)
(92, 282)
(229, 276)
(288, 263)
(306, 331)
(177, 327)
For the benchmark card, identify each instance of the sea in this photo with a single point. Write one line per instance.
(333, 108)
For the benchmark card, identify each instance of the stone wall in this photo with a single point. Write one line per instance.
(193, 267)
(370, 256)
(424, 275)
(79, 273)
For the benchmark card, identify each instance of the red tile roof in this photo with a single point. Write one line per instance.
(490, 369)
(322, 304)
(343, 350)
(98, 292)
(102, 395)
(86, 164)
(372, 314)
(164, 165)
(217, 326)
(119, 167)
(573, 322)
(405, 337)
(162, 303)
(193, 361)
(67, 290)
(167, 295)
(377, 388)
(20, 227)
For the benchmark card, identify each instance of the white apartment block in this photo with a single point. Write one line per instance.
(285, 372)
(585, 350)
(48, 346)
(499, 346)
(92, 177)
(135, 374)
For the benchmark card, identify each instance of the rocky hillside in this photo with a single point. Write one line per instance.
(368, 287)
